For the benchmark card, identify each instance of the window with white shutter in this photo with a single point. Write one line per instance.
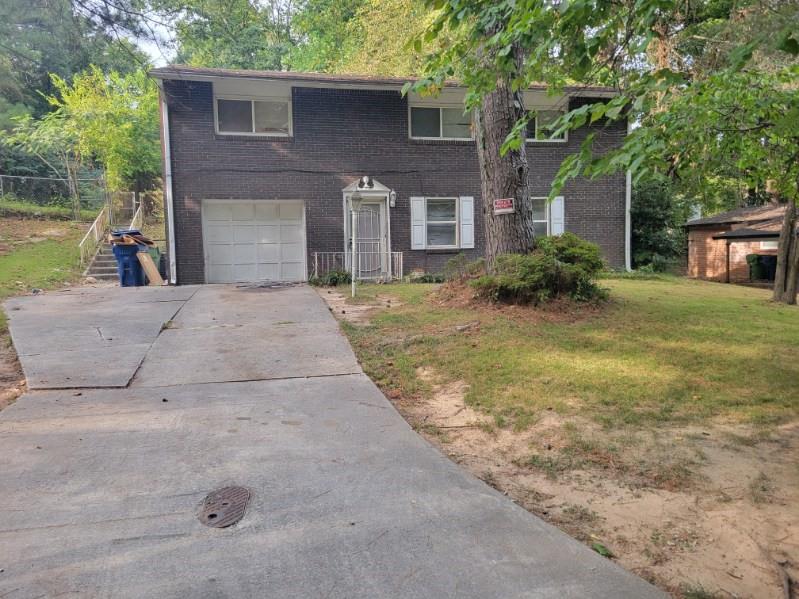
(442, 222)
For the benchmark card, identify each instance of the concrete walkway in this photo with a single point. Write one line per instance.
(101, 487)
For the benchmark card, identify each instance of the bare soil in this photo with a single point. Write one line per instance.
(700, 511)
(729, 526)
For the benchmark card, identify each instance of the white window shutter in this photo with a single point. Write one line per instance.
(467, 222)
(418, 224)
(557, 216)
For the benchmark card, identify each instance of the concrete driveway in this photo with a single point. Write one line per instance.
(146, 400)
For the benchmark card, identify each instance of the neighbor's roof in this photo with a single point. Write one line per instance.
(748, 214)
(761, 230)
(189, 73)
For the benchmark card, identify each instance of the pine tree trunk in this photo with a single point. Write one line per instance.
(784, 253)
(503, 176)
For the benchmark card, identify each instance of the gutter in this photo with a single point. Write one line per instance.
(168, 194)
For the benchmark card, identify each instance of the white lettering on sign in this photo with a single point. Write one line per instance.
(504, 206)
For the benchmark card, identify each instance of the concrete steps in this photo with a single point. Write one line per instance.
(104, 265)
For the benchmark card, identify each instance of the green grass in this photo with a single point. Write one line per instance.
(44, 265)
(664, 350)
(10, 207)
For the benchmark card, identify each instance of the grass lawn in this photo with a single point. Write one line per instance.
(662, 426)
(665, 350)
(39, 254)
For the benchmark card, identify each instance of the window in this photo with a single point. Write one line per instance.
(253, 117)
(540, 126)
(429, 122)
(769, 245)
(548, 217)
(442, 222)
(540, 217)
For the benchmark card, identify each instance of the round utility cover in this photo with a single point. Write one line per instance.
(224, 507)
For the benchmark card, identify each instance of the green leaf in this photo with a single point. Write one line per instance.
(788, 43)
(601, 549)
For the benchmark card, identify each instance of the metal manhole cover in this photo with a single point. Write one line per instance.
(224, 507)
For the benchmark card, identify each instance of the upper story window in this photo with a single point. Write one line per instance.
(440, 122)
(267, 117)
(540, 126)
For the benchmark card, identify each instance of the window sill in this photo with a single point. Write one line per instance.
(441, 142)
(433, 251)
(254, 138)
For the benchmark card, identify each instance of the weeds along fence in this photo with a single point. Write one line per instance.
(54, 191)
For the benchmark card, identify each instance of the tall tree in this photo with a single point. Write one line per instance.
(635, 45)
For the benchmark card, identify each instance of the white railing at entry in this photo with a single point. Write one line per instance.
(367, 270)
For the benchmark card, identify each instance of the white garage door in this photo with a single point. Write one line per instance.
(259, 240)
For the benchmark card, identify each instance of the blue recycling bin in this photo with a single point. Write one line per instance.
(131, 274)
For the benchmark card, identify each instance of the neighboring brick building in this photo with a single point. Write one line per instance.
(743, 231)
(261, 168)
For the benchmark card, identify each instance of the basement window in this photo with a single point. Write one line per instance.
(236, 116)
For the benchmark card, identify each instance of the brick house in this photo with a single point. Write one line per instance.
(262, 169)
(718, 245)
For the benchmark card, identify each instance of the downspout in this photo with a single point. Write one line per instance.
(628, 225)
(168, 195)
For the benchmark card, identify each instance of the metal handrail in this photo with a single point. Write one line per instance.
(95, 235)
(138, 219)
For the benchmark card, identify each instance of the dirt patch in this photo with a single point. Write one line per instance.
(727, 523)
(20, 231)
(343, 307)
(12, 381)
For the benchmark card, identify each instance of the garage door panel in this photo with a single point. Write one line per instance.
(291, 272)
(268, 234)
(291, 252)
(243, 211)
(244, 272)
(220, 212)
(254, 241)
(218, 233)
(267, 211)
(269, 272)
(244, 233)
(220, 254)
(269, 252)
(290, 233)
(220, 273)
(245, 253)
(291, 211)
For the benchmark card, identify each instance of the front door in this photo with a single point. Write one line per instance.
(372, 255)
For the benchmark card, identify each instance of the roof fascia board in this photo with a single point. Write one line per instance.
(302, 82)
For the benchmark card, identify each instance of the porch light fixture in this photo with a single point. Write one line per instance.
(392, 198)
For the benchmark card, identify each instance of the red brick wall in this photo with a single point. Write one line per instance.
(707, 256)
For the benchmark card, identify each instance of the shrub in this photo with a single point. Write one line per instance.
(331, 279)
(460, 269)
(558, 266)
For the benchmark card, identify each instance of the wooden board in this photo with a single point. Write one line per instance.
(153, 276)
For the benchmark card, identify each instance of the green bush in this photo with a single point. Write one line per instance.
(331, 279)
(460, 269)
(558, 266)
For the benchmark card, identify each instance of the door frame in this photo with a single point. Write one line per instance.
(377, 196)
(303, 228)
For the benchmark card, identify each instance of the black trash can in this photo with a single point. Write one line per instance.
(131, 274)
